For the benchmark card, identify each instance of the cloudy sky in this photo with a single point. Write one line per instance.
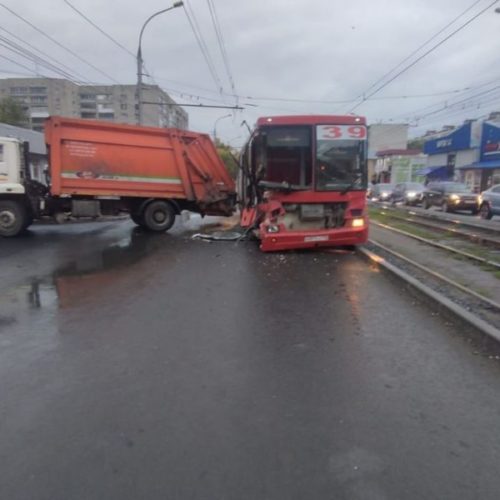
(284, 56)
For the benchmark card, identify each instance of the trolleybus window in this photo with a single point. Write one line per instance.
(340, 162)
(288, 155)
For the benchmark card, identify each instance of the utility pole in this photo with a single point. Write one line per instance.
(140, 61)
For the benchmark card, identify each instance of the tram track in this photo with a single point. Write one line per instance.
(480, 312)
(479, 235)
(447, 248)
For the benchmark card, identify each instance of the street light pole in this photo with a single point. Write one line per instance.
(215, 125)
(140, 61)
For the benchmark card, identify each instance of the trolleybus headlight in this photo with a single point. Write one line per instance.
(273, 228)
(358, 222)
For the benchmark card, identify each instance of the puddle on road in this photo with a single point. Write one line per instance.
(34, 316)
(91, 268)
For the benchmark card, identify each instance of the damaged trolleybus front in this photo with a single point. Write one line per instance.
(303, 182)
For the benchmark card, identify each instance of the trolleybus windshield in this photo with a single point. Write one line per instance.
(340, 162)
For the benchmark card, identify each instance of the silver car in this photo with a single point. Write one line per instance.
(410, 193)
(489, 202)
(381, 192)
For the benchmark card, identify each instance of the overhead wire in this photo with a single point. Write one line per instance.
(111, 38)
(18, 64)
(442, 106)
(422, 56)
(420, 47)
(53, 40)
(21, 51)
(202, 45)
(222, 45)
(48, 56)
(98, 28)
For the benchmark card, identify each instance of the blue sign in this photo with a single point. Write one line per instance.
(490, 142)
(456, 140)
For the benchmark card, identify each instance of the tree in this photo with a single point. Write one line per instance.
(228, 157)
(12, 113)
(416, 143)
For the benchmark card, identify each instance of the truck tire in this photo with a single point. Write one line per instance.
(159, 216)
(13, 218)
(137, 218)
(426, 204)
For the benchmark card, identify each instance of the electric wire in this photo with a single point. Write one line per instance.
(53, 40)
(98, 28)
(222, 45)
(47, 56)
(426, 53)
(21, 51)
(420, 47)
(202, 45)
(18, 64)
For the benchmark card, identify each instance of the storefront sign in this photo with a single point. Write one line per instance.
(456, 140)
(490, 144)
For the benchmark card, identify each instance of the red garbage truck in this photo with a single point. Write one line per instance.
(98, 168)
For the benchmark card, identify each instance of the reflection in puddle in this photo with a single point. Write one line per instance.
(93, 272)
(91, 269)
(41, 295)
(122, 253)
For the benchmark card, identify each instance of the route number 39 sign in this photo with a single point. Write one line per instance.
(340, 132)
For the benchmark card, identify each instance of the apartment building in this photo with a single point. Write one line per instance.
(42, 97)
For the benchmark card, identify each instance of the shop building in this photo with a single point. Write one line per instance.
(399, 165)
(485, 172)
(451, 150)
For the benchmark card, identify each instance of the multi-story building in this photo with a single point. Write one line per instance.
(42, 97)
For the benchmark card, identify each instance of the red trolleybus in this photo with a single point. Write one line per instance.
(303, 182)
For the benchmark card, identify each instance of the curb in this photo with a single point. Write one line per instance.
(431, 295)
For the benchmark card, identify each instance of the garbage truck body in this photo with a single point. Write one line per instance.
(98, 168)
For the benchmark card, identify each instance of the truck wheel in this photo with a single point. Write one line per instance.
(137, 218)
(13, 218)
(426, 204)
(159, 216)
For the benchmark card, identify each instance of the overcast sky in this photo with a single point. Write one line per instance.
(309, 50)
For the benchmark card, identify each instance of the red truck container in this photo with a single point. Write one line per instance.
(98, 168)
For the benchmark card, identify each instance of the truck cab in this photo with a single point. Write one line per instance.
(16, 214)
(11, 166)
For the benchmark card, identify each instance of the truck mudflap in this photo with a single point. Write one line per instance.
(289, 240)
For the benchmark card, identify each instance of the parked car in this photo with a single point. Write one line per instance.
(489, 202)
(410, 193)
(381, 192)
(450, 196)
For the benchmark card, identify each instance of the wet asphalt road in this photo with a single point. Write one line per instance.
(135, 366)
